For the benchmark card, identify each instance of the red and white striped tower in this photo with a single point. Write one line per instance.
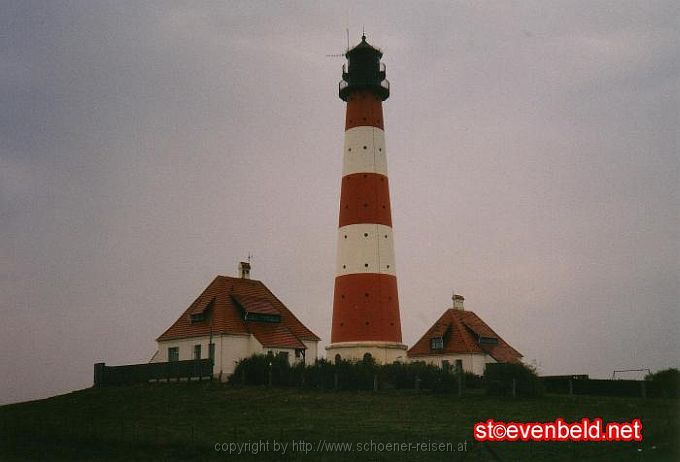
(365, 302)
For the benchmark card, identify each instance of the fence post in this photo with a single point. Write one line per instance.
(571, 387)
(375, 382)
(270, 374)
(514, 387)
(99, 374)
(460, 384)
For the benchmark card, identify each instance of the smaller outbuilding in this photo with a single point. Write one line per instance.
(232, 319)
(462, 340)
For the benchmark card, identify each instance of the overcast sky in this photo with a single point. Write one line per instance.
(147, 147)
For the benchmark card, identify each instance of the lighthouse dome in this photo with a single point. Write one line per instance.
(364, 71)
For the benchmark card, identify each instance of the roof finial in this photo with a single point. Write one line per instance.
(363, 33)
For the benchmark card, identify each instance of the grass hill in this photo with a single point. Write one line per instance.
(186, 421)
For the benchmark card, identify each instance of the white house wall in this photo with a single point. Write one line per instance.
(229, 350)
(473, 362)
(312, 352)
(233, 348)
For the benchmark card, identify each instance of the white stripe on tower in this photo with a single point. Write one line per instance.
(364, 151)
(365, 248)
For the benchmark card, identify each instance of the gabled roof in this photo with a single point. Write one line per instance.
(461, 332)
(223, 304)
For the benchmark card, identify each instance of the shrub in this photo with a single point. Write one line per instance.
(429, 377)
(666, 382)
(498, 380)
(256, 369)
(472, 380)
(350, 375)
(320, 375)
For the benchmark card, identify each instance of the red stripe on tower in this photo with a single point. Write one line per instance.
(366, 303)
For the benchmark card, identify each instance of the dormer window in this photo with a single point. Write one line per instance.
(197, 317)
(261, 317)
(437, 343)
(257, 309)
(487, 340)
(200, 312)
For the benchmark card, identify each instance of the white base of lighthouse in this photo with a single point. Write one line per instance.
(381, 352)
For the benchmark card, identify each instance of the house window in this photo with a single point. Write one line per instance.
(437, 343)
(368, 357)
(173, 354)
(459, 365)
(446, 365)
(197, 351)
(211, 351)
(283, 355)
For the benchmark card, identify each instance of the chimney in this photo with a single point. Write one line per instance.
(244, 270)
(458, 301)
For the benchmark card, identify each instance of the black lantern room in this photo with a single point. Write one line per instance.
(364, 72)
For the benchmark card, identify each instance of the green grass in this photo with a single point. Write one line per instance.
(185, 421)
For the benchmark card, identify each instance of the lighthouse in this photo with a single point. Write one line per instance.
(366, 322)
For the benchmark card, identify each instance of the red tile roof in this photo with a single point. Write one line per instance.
(461, 331)
(255, 305)
(220, 302)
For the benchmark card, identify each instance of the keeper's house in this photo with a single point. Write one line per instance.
(233, 319)
(461, 339)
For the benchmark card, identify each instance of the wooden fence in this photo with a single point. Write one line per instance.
(585, 386)
(193, 369)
